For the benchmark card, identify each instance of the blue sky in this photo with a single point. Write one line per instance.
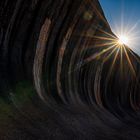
(126, 12)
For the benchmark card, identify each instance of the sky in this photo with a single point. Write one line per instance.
(124, 18)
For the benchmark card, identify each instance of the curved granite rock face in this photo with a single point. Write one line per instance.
(62, 74)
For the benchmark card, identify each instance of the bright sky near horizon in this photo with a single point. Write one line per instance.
(124, 18)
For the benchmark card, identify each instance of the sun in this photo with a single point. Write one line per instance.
(123, 40)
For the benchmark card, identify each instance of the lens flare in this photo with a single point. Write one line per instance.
(123, 40)
(128, 34)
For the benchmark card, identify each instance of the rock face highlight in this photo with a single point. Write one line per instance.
(63, 75)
